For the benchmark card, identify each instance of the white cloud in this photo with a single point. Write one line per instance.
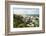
(26, 11)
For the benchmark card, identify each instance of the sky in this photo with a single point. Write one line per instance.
(25, 10)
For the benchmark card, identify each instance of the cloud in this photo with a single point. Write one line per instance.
(26, 11)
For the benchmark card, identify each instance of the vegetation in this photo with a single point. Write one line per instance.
(29, 21)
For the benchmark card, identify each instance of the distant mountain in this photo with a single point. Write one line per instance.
(29, 14)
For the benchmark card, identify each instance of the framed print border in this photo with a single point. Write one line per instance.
(7, 18)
